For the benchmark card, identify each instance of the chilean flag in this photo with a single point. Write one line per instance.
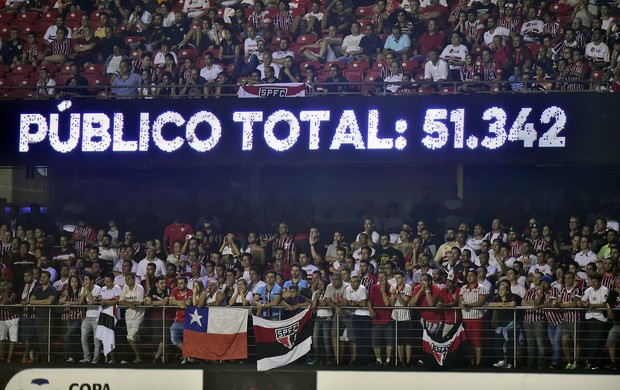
(216, 333)
(279, 343)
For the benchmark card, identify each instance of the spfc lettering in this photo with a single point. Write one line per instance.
(272, 92)
(287, 335)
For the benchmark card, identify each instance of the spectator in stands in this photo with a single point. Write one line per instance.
(33, 50)
(12, 50)
(503, 326)
(473, 295)
(311, 21)
(290, 72)
(396, 76)
(327, 47)
(9, 319)
(85, 48)
(178, 34)
(112, 63)
(132, 298)
(371, 43)
(337, 16)
(492, 30)
(279, 55)
(50, 33)
(350, 48)
(59, 50)
(125, 83)
(46, 85)
(284, 22)
(244, 65)
(210, 71)
(431, 39)
(229, 47)
(436, 69)
(156, 35)
(455, 55)
(398, 44)
(597, 52)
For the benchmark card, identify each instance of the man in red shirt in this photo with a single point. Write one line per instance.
(381, 333)
(433, 39)
(176, 231)
(181, 296)
(448, 300)
(426, 294)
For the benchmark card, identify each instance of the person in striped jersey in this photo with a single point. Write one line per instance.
(554, 319)
(400, 295)
(472, 296)
(534, 324)
(609, 273)
(568, 298)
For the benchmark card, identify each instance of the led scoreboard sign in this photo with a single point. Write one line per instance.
(335, 130)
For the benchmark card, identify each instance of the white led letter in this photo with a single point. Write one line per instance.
(120, 145)
(95, 132)
(348, 121)
(374, 142)
(160, 141)
(432, 126)
(190, 131)
(25, 136)
(74, 134)
(144, 131)
(248, 118)
(281, 145)
(315, 118)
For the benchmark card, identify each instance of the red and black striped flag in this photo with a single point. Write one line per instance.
(279, 343)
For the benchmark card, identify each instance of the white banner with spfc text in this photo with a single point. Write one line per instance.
(272, 90)
(105, 379)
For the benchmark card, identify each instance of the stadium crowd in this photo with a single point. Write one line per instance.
(200, 48)
(465, 270)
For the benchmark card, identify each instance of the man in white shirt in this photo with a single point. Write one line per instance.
(436, 69)
(493, 30)
(160, 265)
(279, 56)
(597, 52)
(595, 299)
(132, 298)
(50, 33)
(267, 62)
(357, 296)
(211, 71)
(586, 255)
(455, 54)
(532, 28)
(140, 19)
(350, 48)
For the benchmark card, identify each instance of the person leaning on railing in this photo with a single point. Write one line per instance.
(502, 324)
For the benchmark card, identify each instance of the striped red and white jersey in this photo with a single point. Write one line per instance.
(472, 295)
(514, 24)
(85, 232)
(283, 22)
(473, 29)
(72, 312)
(554, 317)
(63, 47)
(289, 247)
(568, 295)
(552, 29)
(8, 313)
(258, 20)
(534, 294)
(608, 281)
(516, 249)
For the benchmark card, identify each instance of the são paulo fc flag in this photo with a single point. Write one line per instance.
(279, 343)
(272, 90)
(444, 352)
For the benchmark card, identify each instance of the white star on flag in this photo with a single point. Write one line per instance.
(195, 317)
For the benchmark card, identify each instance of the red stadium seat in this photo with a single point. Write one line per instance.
(361, 65)
(65, 69)
(307, 39)
(96, 81)
(410, 65)
(27, 16)
(23, 69)
(361, 12)
(340, 64)
(6, 18)
(447, 89)
(561, 9)
(302, 66)
(73, 17)
(51, 68)
(95, 69)
(187, 53)
(134, 39)
(4, 69)
(49, 18)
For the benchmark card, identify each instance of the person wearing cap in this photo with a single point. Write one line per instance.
(472, 296)
(449, 301)
(612, 241)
